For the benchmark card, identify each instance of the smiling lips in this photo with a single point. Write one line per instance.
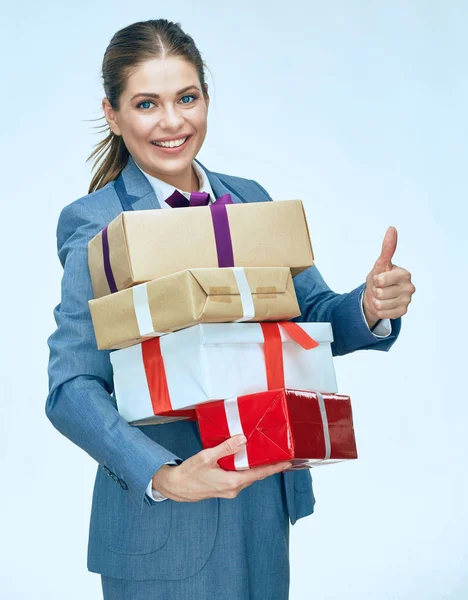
(172, 143)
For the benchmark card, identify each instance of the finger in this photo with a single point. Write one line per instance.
(404, 288)
(228, 447)
(257, 473)
(385, 293)
(389, 244)
(394, 277)
(239, 480)
(380, 306)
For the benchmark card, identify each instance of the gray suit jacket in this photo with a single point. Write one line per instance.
(126, 529)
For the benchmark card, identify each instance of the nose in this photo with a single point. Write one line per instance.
(171, 119)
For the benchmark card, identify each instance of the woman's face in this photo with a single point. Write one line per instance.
(162, 101)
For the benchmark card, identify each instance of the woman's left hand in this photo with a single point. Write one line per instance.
(388, 288)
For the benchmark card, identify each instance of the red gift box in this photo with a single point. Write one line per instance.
(307, 428)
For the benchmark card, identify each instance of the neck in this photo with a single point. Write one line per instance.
(187, 182)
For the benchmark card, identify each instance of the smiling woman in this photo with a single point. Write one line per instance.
(157, 112)
(166, 520)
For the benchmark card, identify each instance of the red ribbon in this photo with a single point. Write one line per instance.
(156, 375)
(274, 349)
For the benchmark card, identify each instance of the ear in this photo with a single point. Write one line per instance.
(207, 97)
(111, 116)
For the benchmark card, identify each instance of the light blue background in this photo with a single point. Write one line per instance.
(359, 109)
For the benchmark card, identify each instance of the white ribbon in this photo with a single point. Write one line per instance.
(326, 431)
(234, 424)
(142, 310)
(248, 308)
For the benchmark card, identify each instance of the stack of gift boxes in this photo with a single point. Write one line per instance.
(197, 303)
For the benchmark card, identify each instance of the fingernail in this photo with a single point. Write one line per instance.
(241, 440)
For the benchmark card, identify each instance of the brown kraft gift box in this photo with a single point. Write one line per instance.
(139, 246)
(189, 297)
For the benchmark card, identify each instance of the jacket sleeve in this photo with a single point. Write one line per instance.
(79, 403)
(318, 303)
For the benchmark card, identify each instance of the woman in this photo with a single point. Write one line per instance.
(166, 521)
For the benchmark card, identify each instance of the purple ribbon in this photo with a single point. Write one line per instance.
(220, 220)
(107, 265)
(178, 200)
(222, 231)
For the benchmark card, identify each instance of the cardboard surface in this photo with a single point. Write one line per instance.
(148, 244)
(209, 295)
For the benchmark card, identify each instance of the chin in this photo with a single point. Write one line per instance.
(172, 167)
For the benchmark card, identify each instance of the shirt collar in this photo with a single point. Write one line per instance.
(163, 190)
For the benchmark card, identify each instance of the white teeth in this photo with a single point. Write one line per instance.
(171, 144)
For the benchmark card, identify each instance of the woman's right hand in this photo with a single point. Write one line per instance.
(200, 477)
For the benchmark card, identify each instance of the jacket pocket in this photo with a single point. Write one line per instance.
(121, 527)
(168, 540)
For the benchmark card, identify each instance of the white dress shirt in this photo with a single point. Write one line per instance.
(162, 191)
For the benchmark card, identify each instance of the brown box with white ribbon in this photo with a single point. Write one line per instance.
(190, 297)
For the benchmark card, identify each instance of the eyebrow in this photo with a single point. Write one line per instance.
(151, 95)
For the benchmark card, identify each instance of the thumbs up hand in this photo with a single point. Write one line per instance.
(388, 288)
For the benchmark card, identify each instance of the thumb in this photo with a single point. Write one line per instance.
(230, 446)
(389, 244)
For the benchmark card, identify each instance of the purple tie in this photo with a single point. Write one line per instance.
(178, 200)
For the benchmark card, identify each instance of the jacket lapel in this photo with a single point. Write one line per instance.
(134, 189)
(136, 193)
(219, 187)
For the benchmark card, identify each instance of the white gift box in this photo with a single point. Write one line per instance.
(213, 361)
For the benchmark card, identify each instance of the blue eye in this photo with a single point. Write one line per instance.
(188, 96)
(144, 102)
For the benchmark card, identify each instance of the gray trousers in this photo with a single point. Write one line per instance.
(251, 553)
